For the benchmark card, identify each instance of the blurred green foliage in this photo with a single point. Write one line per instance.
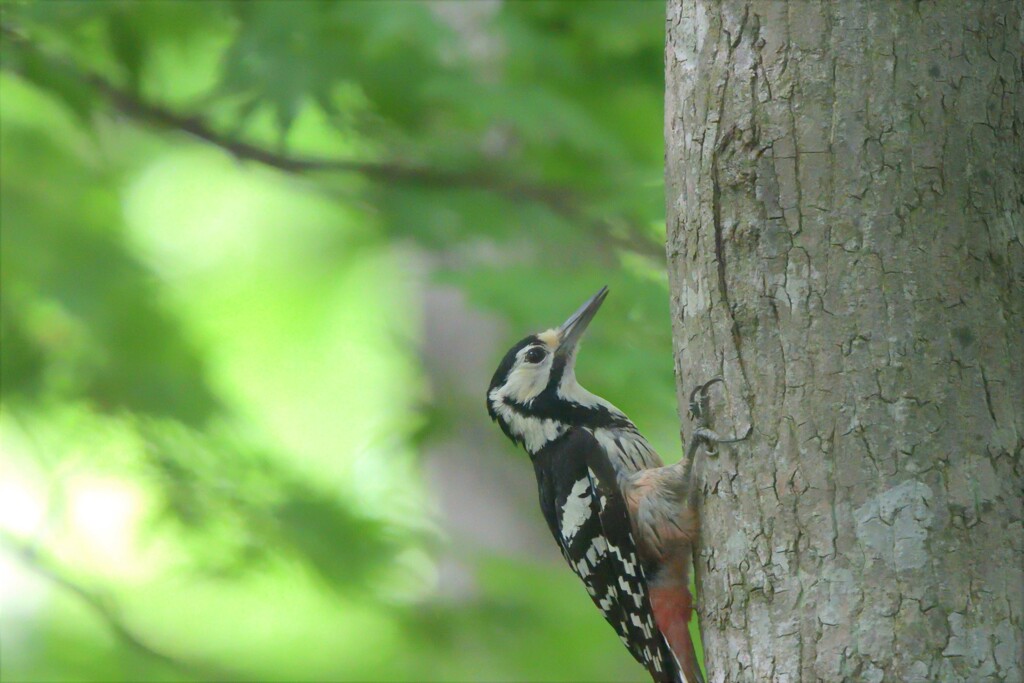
(219, 223)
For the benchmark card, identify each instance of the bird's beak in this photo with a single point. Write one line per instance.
(572, 329)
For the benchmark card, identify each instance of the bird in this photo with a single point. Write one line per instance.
(625, 523)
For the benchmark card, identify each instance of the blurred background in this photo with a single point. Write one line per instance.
(259, 262)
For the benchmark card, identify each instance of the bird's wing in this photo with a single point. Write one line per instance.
(591, 524)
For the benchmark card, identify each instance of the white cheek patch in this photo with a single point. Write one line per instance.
(525, 382)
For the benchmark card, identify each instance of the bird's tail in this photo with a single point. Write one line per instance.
(672, 608)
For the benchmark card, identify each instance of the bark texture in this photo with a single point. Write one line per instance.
(845, 248)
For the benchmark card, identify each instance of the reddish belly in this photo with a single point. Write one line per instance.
(672, 607)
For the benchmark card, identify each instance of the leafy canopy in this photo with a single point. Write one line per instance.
(220, 223)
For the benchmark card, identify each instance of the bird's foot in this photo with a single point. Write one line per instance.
(699, 411)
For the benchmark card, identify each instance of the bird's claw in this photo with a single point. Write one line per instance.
(699, 409)
(699, 401)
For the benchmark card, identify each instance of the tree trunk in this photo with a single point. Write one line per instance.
(845, 248)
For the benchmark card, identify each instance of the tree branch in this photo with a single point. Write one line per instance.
(560, 200)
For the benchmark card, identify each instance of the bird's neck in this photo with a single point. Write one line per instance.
(570, 391)
(556, 410)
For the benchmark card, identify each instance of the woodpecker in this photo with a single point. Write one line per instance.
(624, 521)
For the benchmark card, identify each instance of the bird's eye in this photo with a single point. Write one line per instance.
(535, 355)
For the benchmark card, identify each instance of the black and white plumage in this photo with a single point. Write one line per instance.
(586, 513)
(621, 519)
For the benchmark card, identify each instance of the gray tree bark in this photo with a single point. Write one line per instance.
(846, 248)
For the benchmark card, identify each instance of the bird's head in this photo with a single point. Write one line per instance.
(534, 395)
